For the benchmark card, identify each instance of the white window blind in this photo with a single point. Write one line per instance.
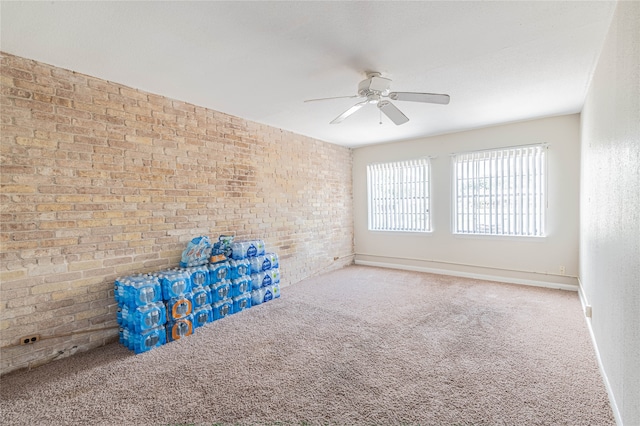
(399, 196)
(500, 192)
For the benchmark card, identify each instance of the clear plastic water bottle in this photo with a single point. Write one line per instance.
(202, 316)
(268, 294)
(247, 249)
(179, 307)
(266, 278)
(239, 250)
(261, 279)
(201, 296)
(257, 296)
(254, 264)
(126, 341)
(124, 316)
(222, 308)
(240, 286)
(275, 290)
(260, 247)
(147, 317)
(199, 275)
(137, 290)
(141, 293)
(260, 263)
(220, 291)
(147, 340)
(273, 259)
(239, 268)
(275, 275)
(174, 283)
(180, 328)
(241, 302)
(256, 281)
(218, 272)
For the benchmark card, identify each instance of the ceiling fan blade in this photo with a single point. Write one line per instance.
(328, 99)
(348, 112)
(391, 111)
(432, 98)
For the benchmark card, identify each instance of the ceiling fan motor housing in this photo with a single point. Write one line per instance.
(374, 85)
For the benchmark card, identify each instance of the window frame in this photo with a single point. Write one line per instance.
(540, 193)
(386, 224)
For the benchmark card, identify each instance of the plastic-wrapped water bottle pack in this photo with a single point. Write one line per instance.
(154, 309)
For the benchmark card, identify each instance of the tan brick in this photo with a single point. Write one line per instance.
(67, 293)
(108, 214)
(133, 236)
(93, 223)
(49, 287)
(16, 73)
(17, 189)
(86, 282)
(90, 314)
(82, 266)
(54, 207)
(139, 139)
(34, 87)
(74, 198)
(124, 221)
(19, 245)
(130, 268)
(12, 275)
(137, 199)
(37, 143)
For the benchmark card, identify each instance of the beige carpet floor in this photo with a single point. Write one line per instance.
(359, 345)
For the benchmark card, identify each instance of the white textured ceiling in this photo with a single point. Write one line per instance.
(499, 61)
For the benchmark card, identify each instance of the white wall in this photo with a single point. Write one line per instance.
(519, 259)
(610, 209)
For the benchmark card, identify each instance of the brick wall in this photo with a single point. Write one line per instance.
(101, 180)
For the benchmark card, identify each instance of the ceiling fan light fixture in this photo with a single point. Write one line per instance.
(374, 87)
(374, 84)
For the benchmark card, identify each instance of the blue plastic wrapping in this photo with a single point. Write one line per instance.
(180, 328)
(241, 302)
(201, 296)
(222, 308)
(179, 307)
(220, 291)
(197, 253)
(218, 272)
(239, 286)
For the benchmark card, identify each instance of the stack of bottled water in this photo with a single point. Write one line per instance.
(141, 312)
(154, 309)
(265, 277)
(176, 291)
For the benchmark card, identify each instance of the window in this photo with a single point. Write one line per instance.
(501, 191)
(399, 196)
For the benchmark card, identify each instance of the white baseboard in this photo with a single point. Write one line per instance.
(535, 283)
(612, 400)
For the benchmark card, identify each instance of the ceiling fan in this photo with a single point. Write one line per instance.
(374, 88)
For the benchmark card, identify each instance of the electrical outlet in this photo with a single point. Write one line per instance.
(27, 340)
(563, 270)
(588, 311)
